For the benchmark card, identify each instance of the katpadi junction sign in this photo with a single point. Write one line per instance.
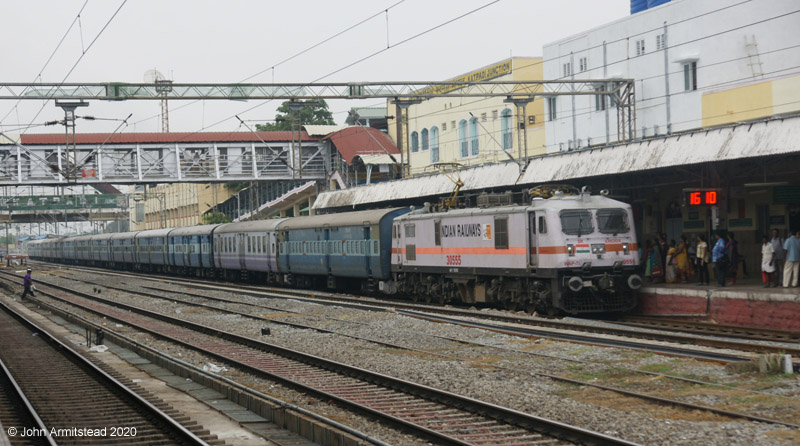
(63, 202)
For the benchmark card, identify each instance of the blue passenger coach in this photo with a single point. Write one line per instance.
(352, 245)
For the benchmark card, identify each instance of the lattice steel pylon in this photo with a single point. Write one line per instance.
(164, 87)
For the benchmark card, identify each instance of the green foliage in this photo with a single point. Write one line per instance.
(216, 218)
(236, 186)
(12, 239)
(308, 115)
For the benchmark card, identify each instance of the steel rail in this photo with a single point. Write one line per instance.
(458, 402)
(20, 394)
(382, 305)
(107, 380)
(656, 399)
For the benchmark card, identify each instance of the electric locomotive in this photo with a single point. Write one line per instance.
(568, 253)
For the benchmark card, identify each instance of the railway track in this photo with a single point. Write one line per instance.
(646, 333)
(682, 325)
(258, 307)
(75, 400)
(447, 417)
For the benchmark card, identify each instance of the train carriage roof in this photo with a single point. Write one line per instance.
(103, 236)
(250, 226)
(124, 235)
(82, 238)
(153, 233)
(193, 230)
(357, 218)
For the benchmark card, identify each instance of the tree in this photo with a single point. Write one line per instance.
(316, 114)
(216, 218)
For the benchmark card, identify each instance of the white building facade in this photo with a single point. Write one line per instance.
(696, 63)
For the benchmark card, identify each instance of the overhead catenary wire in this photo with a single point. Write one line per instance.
(50, 58)
(80, 58)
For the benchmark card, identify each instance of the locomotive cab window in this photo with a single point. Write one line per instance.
(612, 221)
(542, 225)
(501, 233)
(411, 230)
(437, 233)
(576, 222)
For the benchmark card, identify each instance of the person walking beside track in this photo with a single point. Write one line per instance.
(27, 282)
(792, 268)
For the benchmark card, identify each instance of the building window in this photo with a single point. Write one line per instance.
(661, 42)
(494, 115)
(551, 108)
(567, 69)
(505, 125)
(434, 145)
(444, 126)
(600, 99)
(424, 138)
(583, 65)
(690, 76)
(639, 47)
(473, 136)
(483, 117)
(462, 138)
(414, 142)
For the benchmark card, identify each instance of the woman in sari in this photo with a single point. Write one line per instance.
(671, 262)
(682, 261)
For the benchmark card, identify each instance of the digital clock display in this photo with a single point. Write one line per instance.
(702, 197)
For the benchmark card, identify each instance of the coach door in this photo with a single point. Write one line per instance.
(366, 246)
(533, 242)
(242, 242)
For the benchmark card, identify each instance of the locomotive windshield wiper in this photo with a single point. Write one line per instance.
(580, 224)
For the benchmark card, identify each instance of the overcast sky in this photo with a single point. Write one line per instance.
(230, 41)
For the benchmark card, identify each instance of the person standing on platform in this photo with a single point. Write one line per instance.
(719, 255)
(702, 260)
(767, 261)
(792, 267)
(779, 256)
(733, 257)
(27, 282)
(682, 269)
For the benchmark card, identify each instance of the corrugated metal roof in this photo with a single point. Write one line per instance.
(483, 177)
(161, 138)
(323, 130)
(357, 140)
(774, 137)
(377, 159)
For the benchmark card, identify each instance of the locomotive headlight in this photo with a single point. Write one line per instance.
(599, 248)
(626, 248)
(571, 250)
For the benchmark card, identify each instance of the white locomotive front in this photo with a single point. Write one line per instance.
(573, 254)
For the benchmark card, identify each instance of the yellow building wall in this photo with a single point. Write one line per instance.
(737, 104)
(786, 95)
(445, 113)
(179, 204)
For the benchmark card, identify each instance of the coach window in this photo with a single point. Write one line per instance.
(437, 233)
(542, 225)
(501, 233)
(576, 222)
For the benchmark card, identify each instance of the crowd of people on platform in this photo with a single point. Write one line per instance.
(688, 260)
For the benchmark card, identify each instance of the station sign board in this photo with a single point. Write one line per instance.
(63, 202)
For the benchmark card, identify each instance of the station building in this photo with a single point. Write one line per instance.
(696, 64)
(706, 72)
(474, 131)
